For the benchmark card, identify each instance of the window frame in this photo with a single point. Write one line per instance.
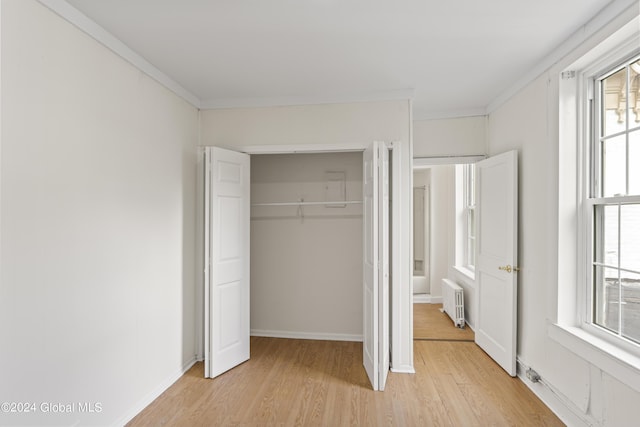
(461, 266)
(590, 192)
(469, 209)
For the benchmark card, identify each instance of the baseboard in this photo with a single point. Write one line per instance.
(153, 395)
(470, 325)
(568, 412)
(305, 335)
(426, 299)
(421, 298)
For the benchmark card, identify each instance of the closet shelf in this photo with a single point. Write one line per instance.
(339, 202)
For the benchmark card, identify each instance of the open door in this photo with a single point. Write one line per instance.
(497, 254)
(375, 348)
(383, 274)
(226, 308)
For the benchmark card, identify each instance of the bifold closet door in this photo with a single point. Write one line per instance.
(227, 210)
(383, 271)
(375, 346)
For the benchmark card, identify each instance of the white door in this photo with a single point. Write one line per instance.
(375, 348)
(383, 273)
(497, 254)
(227, 213)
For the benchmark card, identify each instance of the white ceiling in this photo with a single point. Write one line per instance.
(456, 57)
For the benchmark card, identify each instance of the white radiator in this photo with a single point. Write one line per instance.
(453, 302)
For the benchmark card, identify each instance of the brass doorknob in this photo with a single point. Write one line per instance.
(508, 268)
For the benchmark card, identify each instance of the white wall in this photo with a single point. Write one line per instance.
(308, 124)
(442, 218)
(464, 136)
(421, 232)
(306, 266)
(356, 124)
(529, 123)
(97, 232)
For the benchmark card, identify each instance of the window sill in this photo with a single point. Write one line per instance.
(618, 363)
(470, 275)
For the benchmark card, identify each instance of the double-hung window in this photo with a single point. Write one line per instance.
(598, 205)
(469, 216)
(612, 203)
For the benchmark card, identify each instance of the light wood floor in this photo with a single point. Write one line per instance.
(429, 323)
(323, 383)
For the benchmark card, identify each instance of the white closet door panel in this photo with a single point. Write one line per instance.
(383, 271)
(227, 305)
(370, 350)
(375, 348)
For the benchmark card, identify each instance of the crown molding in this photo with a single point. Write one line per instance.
(450, 114)
(91, 28)
(613, 10)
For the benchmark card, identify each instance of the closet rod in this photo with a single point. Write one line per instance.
(339, 202)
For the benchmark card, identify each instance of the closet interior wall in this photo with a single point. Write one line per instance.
(306, 261)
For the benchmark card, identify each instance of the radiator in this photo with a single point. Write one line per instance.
(453, 302)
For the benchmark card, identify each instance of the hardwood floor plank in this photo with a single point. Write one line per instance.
(484, 409)
(307, 383)
(420, 393)
(457, 408)
(430, 323)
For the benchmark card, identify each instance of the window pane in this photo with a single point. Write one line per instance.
(630, 237)
(607, 251)
(614, 100)
(472, 184)
(472, 223)
(606, 298)
(634, 95)
(614, 166)
(630, 306)
(634, 159)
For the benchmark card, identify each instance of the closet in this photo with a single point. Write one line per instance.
(306, 245)
(295, 246)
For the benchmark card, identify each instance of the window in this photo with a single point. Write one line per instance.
(469, 197)
(465, 225)
(597, 204)
(612, 202)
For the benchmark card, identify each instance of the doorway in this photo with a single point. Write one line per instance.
(482, 251)
(437, 232)
(224, 168)
(306, 256)
(434, 199)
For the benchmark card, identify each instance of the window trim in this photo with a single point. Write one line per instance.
(461, 225)
(468, 194)
(592, 191)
